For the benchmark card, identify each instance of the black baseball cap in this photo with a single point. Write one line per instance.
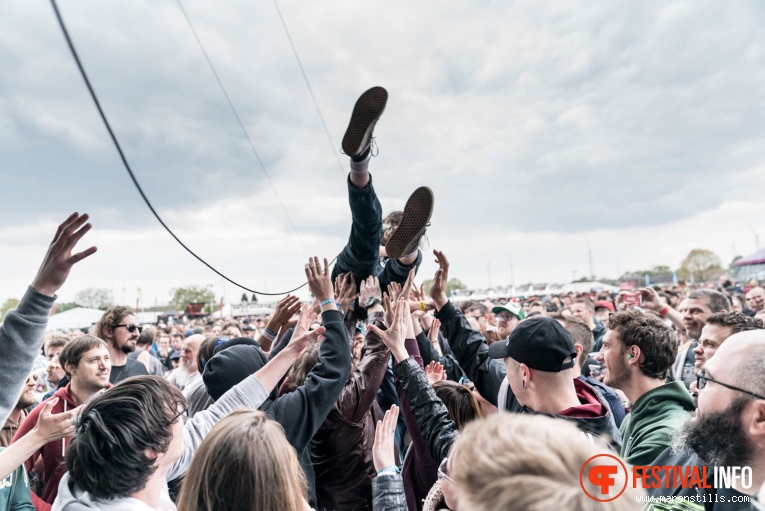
(539, 342)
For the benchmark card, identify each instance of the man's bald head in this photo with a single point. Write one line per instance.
(742, 356)
(189, 351)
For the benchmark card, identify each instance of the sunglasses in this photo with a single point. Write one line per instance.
(53, 367)
(131, 328)
(32, 378)
(702, 379)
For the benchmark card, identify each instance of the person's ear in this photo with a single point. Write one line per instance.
(756, 425)
(579, 349)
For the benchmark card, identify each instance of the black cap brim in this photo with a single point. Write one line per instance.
(498, 349)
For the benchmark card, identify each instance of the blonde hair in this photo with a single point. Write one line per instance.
(528, 463)
(244, 463)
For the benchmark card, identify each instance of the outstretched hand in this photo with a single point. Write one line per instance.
(383, 448)
(370, 288)
(285, 310)
(434, 372)
(395, 334)
(52, 427)
(59, 259)
(345, 290)
(319, 279)
(441, 278)
(303, 335)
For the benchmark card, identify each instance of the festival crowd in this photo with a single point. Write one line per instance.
(382, 395)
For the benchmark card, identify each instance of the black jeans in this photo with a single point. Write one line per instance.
(361, 254)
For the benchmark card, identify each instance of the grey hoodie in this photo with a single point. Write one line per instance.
(21, 336)
(250, 393)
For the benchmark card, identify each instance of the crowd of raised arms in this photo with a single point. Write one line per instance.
(380, 395)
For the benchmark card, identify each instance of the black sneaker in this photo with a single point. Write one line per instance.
(369, 107)
(417, 212)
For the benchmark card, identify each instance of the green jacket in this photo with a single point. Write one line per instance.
(14, 491)
(655, 417)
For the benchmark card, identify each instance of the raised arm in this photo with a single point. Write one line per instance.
(469, 346)
(23, 330)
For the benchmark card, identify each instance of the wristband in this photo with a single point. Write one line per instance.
(422, 306)
(269, 334)
(392, 469)
(663, 312)
(339, 307)
(326, 302)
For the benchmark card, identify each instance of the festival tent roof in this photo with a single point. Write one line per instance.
(79, 317)
(756, 258)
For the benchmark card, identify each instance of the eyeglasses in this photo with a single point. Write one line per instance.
(442, 471)
(183, 413)
(702, 379)
(131, 328)
(505, 316)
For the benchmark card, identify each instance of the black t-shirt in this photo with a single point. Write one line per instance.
(131, 368)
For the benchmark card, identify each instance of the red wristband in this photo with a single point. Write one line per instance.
(663, 312)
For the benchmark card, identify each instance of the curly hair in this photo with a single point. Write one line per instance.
(738, 321)
(109, 455)
(111, 319)
(657, 342)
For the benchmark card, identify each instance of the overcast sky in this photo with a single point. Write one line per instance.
(544, 128)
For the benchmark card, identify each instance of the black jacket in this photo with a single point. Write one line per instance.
(472, 353)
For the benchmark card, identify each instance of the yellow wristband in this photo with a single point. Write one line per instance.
(422, 306)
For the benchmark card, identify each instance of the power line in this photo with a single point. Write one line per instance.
(310, 90)
(127, 165)
(241, 124)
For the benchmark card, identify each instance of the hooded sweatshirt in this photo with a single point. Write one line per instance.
(655, 417)
(10, 428)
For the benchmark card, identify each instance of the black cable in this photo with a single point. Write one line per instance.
(241, 125)
(130, 171)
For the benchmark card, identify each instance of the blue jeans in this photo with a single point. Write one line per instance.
(361, 254)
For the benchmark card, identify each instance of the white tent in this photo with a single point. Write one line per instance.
(79, 317)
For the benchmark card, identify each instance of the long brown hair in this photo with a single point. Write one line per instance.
(462, 405)
(244, 463)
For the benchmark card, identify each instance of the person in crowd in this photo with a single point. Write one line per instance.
(231, 330)
(341, 444)
(522, 449)
(86, 361)
(143, 354)
(603, 309)
(696, 308)
(120, 329)
(135, 434)
(249, 331)
(14, 420)
(637, 353)
(583, 340)
(717, 329)
(584, 309)
(23, 330)
(15, 490)
(197, 398)
(508, 316)
(52, 348)
(56, 375)
(245, 462)
(726, 430)
(190, 364)
(162, 342)
(176, 339)
(400, 232)
(539, 365)
(755, 300)
(300, 410)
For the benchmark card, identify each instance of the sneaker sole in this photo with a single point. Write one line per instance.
(417, 213)
(368, 109)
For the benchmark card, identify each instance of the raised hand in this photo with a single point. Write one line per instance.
(435, 326)
(319, 279)
(395, 335)
(434, 372)
(285, 310)
(370, 288)
(59, 259)
(440, 279)
(383, 448)
(52, 427)
(651, 299)
(345, 290)
(303, 335)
